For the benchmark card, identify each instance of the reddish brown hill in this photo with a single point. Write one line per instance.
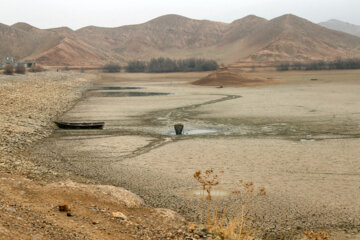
(225, 77)
(286, 38)
(155, 38)
(72, 52)
(290, 38)
(25, 27)
(241, 28)
(22, 41)
(63, 31)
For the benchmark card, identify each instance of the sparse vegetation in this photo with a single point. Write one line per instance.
(20, 69)
(9, 69)
(136, 66)
(283, 67)
(317, 235)
(207, 181)
(36, 68)
(166, 65)
(226, 224)
(112, 68)
(222, 223)
(338, 64)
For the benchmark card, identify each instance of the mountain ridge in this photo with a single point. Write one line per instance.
(342, 26)
(251, 38)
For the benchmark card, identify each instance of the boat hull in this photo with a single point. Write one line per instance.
(83, 125)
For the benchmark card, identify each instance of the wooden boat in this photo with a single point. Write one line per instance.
(80, 125)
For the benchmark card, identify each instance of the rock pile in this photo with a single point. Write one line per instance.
(28, 104)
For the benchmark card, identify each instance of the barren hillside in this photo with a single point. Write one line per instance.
(24, 41)
(290, 38)
(286, 38)
(342, 27)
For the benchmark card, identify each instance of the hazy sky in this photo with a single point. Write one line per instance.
(112, 13)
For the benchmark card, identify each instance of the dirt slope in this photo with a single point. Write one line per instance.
(30, 210)
(225, 77)
(72, 52)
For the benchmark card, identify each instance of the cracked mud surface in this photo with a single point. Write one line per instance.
(299, 139)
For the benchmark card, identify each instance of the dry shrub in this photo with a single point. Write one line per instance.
(239, 226)
(36, 69)
(317, 235)
(20, 69)
(207, 181)
(9, 69)
(222, 223)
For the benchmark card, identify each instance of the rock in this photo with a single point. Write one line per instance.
(119, 215)
(12, 210)
(63, 207)
(169, 215)
(116, 194)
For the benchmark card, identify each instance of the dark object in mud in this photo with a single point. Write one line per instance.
(83, 125)
(63, 207)
(220, 86)
(178, 128)
(120, 88)
(314, 79)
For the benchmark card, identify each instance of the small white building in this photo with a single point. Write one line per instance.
(12, 60)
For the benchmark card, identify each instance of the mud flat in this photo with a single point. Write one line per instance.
(299, 139)
(31, 193)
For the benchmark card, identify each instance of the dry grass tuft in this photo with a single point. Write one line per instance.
(239, 225)
(222, 223)
(317, 235)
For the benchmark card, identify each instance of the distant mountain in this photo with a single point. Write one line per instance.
(25, 41)
(342, 26)
(290, 38)
(286, 38)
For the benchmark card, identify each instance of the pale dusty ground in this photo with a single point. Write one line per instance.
(299, 139)
(30, 208)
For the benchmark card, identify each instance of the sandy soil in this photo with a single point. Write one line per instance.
(299, 139)
(30, 210)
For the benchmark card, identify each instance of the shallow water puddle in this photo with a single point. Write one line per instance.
(118, 88)
(124, 94)
(203, 194)
(196, 132)
(199, 131)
